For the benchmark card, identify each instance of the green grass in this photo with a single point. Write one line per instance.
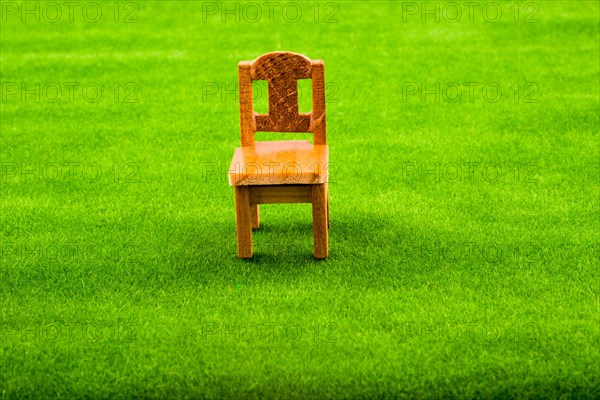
(119, 276)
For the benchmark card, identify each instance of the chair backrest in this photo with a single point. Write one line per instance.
(282, 71)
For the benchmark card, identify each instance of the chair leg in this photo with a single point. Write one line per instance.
(255, 216)
(319, 211)
(243, 219)
(328, 220)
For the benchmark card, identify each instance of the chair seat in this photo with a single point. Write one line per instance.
(279, 162)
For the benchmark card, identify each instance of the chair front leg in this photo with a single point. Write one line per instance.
(243, 219)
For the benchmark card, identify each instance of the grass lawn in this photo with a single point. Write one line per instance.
(464, 203)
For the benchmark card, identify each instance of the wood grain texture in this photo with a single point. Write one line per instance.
(317, 125)
(328, 219)
(319, 212)
(247, 128)
(280, 162)
(255, 214)
(280, 194)
(243, 221)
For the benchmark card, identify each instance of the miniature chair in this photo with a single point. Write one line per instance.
(290, 171)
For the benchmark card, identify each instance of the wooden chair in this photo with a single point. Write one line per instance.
(291, 171)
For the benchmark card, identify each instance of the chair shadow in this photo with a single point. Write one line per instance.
(284, 250)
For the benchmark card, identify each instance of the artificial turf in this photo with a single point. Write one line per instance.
(464, 241)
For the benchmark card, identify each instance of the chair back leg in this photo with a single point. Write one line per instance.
(255, 216)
